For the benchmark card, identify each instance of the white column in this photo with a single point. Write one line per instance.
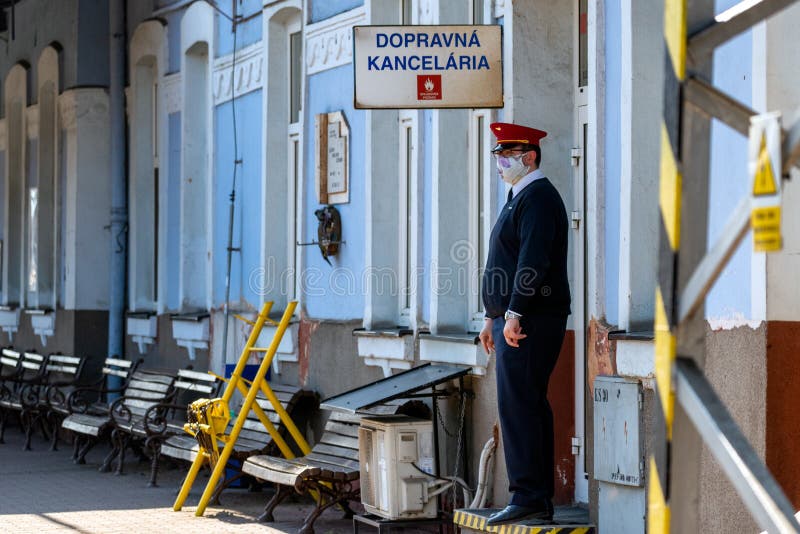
(84, 115)
(197, 50)
(382, 211)
(449, 304)
(642, 81)
(450, 249)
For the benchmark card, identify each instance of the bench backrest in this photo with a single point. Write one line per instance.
(253, 429)
(32, 365)
(119, 368)
(10, 363)
(340, 437)
(146, 389)
(192, 385)
(63, 369)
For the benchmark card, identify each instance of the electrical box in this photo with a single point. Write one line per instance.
(396, 461)
(618, 431)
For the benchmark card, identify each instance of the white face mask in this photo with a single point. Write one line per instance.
(512, 169)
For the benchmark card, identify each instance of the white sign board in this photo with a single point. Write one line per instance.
(411, 67)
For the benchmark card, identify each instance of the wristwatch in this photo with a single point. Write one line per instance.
(511, 315)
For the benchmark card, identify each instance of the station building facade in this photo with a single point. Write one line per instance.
(218, 114)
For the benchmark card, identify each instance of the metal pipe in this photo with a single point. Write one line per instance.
(751, 479)
(119, 187)
(226, 305)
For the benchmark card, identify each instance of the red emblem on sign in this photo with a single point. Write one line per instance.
(429, 87)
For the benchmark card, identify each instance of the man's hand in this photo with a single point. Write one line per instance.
(486, 336)
(513, 332)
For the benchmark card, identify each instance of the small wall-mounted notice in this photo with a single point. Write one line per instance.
(764, 164)
(409, 67)
(332, 176)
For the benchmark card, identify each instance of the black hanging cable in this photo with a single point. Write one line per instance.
(232, 197)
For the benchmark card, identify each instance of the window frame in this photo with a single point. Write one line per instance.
(408, 182)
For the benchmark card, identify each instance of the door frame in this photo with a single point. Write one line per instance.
(580, 301)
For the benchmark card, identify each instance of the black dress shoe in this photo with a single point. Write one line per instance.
(513, 512)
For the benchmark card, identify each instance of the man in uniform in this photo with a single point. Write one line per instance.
(527, 301)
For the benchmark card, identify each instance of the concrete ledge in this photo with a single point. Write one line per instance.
(565, 521)
(462, 349)
(635, 358)
(387, 349)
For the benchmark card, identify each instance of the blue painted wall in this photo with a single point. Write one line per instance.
(174, 212)
(247, 32)
(612, 168)
(250, 211)
(174, 40)
(248, 195)
(323, 9)
(730, 182)
(335, 292)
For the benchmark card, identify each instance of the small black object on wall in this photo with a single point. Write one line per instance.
(329, 232)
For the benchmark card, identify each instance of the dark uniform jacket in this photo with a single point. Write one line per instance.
(526, 270)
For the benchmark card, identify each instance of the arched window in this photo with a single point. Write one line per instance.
(42, 247)
(15, 102)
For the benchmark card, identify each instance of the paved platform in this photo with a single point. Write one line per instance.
(43, 492)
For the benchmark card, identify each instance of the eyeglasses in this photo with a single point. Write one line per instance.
(508, 153)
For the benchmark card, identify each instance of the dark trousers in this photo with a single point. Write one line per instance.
(525, 415)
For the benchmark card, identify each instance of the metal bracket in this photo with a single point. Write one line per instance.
(575, 220)
(299, 244)
(575, 156)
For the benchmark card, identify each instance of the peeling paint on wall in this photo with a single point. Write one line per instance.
(304, 333)
(601, 353)
(734, 321)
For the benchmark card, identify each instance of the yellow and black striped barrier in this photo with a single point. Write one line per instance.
(476, 520)
(669, 200)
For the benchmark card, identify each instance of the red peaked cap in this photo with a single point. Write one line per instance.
(514, 134)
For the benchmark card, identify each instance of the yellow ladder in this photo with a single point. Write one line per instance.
(237, 382)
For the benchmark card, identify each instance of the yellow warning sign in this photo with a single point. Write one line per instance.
(764, 180)
(764, 156)
(766, 223)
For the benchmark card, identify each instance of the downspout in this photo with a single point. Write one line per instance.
(118, 40)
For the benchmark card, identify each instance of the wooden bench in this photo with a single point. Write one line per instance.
(93, 422)
(253, 439)
(62, 375)
(9, 372)
(22, 376)
(92, 400)
(331, 469)
(145, 392)
(165, 419)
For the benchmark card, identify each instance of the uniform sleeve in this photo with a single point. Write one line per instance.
(536, 227)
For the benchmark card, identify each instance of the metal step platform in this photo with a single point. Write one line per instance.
(566, 520)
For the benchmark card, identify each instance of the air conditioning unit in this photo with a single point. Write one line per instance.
(396, 452)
